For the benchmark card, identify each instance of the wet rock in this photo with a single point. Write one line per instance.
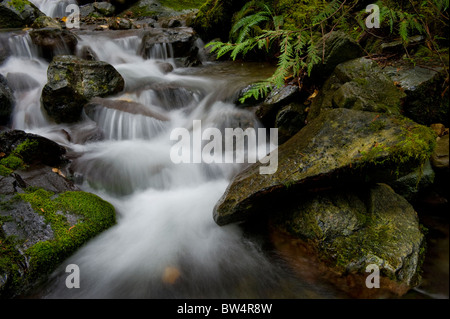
(73, 81)
(289, 120)
(277, 98)
(40, 229)
(120, 24)
(45, 22)
(339, 147)
(439, 158)
(348, 230)
(18, 14)
(165, 67)
(54, 41)
(182, 41)
(339, 48)
(43, 217)
(5, 51)
(6, 101)
(358, 84)
(399, 45)
(426, 101)
(411, 185)
(106, 9)
(32, 148)
(121, 105)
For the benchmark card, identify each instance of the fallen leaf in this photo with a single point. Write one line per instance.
(170, 275)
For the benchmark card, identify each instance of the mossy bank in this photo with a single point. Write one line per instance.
(42, 220)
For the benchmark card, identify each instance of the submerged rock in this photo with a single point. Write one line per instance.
(349, 230)
(339, 147)
(73, 81)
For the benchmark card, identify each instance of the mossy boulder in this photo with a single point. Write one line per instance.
(358, 84)
(350, 229)
(72, 82)
(45, 22)
(31, 148)
(18, 13)
(39, 230)
(44, 217)
(338, 148)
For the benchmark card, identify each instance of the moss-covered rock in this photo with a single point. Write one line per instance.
(339, 147)
(32, 149)
(38, 230)
(43, 217)
(361, 85)
(350, 229)
(18, 13)
(73, 81)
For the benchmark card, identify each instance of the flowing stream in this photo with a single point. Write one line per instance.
(165, 243)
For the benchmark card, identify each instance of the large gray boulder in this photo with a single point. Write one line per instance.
(339, 147)
(72, 82)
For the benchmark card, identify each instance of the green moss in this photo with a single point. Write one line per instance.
(4, 171)
(415, 146)
(182, 4)
(19, 5)
(26, 149)
(13, 162)
(93, 216)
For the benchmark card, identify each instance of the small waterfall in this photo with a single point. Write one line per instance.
(27, 73)
(118, 125)
(21, 46)
(121, 151)
(161, 51)
(53, 8)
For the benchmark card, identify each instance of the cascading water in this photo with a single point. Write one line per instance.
(165, 243)
(53, 8)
